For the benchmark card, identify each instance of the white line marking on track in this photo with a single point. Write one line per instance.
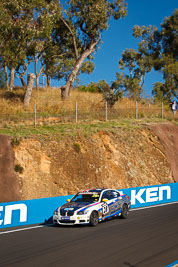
(21, 229)
(40, 226)
(149, 207)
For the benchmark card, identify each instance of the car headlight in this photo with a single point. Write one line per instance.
(82, 212)
(57, 211)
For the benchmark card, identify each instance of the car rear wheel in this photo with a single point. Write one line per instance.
(94, 218)
(125, 211)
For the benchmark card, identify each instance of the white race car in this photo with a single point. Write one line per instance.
(92, 206)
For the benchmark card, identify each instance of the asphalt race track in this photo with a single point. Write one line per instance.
(149, 237)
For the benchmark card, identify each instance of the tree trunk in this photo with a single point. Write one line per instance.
(22, 81)
(38, 74)
(65, 90)
(31, 80)
(6, 77)
(48, 81)
(37, 82)
(21, 75)
(12, 76)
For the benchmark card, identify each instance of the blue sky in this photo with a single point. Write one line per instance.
(119, 37)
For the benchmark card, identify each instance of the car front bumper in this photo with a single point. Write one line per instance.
(70, 220)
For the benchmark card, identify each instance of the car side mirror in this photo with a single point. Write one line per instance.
(104, 200)
(68, 200)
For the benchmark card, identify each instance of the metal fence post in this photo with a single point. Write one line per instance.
(35, 115)
(162, 111)
(76, 112)
(136, 110)
(106, 111)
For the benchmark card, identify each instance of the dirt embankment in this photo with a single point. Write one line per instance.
(168, 136)
(9, 186)
(118, 159)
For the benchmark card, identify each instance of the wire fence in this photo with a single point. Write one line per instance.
(78, 114)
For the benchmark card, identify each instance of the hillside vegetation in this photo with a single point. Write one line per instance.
(91, 106)
(59, 158)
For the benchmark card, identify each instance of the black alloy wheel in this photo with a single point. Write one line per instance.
(94, 218)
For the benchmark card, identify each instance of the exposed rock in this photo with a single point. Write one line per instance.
(126, 158)
(9, 187)
(168, 136)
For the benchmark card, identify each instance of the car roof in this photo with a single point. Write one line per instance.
(96, 190)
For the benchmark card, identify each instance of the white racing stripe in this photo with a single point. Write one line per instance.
(40, 226)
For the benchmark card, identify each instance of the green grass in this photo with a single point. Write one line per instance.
(74, 129)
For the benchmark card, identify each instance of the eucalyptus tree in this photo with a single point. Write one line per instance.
(161, 47)
(110, 93)
(160, 92)
(136, 64)
(42, 43)
(169, 55)
(22, 24)
(15, 33)
(83, 23)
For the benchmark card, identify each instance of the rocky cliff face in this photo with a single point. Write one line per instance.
(119, 159)
(9, 187)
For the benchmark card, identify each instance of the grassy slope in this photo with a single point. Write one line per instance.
(49, 104)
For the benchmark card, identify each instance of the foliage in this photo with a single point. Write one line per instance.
(18, 168)
(61, 38)
(92, 88)
(87, 67)
(15, 141)
(24, 29)
(111, 94)
(162, 49)
(77, 147)
(79, 31)
(135, 64)
(160, 92)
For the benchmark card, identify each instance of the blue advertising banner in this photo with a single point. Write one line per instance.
(41, 210)
(152, 195)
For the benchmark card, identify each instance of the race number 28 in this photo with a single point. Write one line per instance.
(105, 208)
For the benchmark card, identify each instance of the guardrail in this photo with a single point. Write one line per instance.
(36, 211)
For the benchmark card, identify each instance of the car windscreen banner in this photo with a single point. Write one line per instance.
(37, 211)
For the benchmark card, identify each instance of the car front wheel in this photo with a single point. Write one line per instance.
(94, 218)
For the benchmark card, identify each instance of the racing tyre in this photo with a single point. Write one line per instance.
(94, 218)
(125, 211)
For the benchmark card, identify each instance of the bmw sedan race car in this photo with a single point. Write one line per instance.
(92, 206)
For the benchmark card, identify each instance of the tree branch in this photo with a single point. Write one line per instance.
(73, 36)
(142, 81)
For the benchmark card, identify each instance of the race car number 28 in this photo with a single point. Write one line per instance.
(105, 208)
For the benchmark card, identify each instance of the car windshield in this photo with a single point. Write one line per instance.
(91, 197)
